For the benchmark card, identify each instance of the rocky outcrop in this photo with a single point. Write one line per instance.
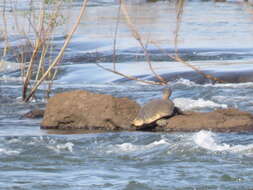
(86, 110)
(222, 120)
(90, 111)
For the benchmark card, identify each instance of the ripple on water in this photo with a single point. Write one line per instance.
(32, 159)
(161, 157)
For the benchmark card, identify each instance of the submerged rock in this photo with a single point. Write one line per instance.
(225, 77)
(221, 120)
(36, 113)
(85, 110)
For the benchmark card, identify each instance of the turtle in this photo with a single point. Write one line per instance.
(155, 110)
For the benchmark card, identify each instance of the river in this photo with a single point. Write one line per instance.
(215, 37)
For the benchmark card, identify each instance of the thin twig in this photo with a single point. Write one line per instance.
(129, 77)
(180, 60)
(6, 46)
(38, 45)
(22, 32)
(138, 37)
(60, 54)
(115, 38)
(180, 9)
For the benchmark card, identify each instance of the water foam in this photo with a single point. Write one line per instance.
(9, 152)
(189, 83)
(185, 82)
(14, 141)
(58, 147)
(189, 104)
(52, 144)
(129, 147)
(206, 140)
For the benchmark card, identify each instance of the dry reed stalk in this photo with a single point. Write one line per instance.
(21, 50)
(115, 38)
(2, 63)
(179, 11)
(18, 28)
(22, 61)
(38, 45)
(50, 83)
(197, 70)
(49, 37)
(51, 79)
(60, 54)
(5, 30)
(46, 36)
(129, 76)
(138, 37)
(248, 6)
(41, 62)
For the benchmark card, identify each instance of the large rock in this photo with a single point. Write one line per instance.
(222, 120)
(86, 110)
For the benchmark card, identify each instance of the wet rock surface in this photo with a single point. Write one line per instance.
(86, 110)
(33, 114)
(221, 120)
(98, 112)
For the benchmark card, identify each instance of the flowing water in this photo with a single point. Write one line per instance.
(215, 37)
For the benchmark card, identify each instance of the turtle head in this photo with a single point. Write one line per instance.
(166, 93)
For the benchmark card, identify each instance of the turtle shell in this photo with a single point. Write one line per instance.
(154, 110)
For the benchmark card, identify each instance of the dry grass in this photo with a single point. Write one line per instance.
(43, 25)
(138, 37)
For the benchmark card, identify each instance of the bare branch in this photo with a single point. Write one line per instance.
(5, 32)
(138, 37)
(115, 38)
(180, 60)
(59, 56)
(130, 77)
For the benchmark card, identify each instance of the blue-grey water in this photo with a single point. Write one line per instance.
(215, 37)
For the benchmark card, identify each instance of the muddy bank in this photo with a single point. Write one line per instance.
(89, 111)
